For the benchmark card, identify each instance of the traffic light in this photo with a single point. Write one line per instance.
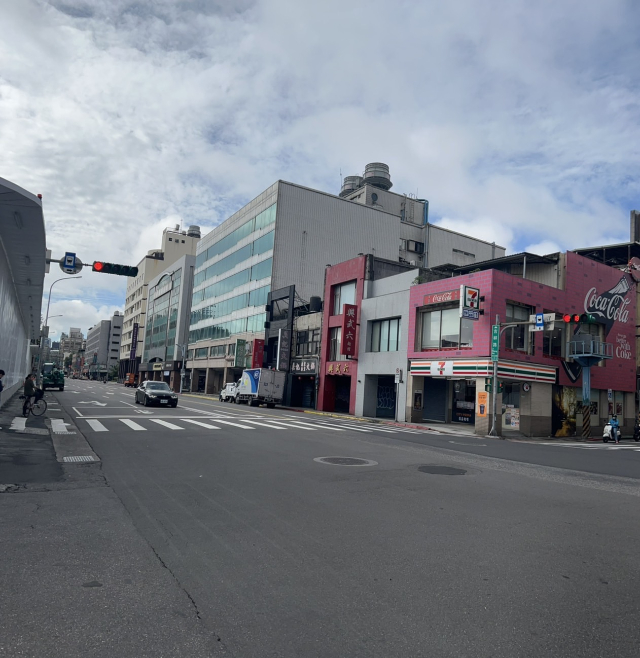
(571, 317)
(588, 318)
(500, 387)
(488, 384)
(114, 268)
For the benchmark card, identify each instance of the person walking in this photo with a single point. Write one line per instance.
(615, 428)
(29, 393)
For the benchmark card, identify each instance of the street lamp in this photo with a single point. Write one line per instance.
(46, 321)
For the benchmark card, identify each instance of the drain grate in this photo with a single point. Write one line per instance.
(78, 458)
(345, 461)
(435, 469)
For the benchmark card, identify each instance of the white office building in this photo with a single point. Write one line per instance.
(102, 350)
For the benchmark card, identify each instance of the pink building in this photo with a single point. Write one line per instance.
(450, 357)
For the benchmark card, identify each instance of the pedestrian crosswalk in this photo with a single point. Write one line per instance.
(222, 422)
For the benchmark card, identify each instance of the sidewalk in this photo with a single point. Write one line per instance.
(77, 578)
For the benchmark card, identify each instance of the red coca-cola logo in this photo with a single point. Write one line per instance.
(610, 306)
(442, 297)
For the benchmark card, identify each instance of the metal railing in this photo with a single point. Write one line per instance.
(594, 348)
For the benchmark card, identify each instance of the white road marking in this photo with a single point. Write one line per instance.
(97, 426)
(18, 423)
(197, 422)
(228, 422)
(263, 424)
(58, 426)
(132, 424)
(330, 427)
(171, 426)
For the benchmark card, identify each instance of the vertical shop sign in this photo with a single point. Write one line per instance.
(258, 353)
(134, 342)
(349, 324)
(241, 351)
(284, 349)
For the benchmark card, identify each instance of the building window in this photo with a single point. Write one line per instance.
(385, 335)
(231, 349)
(335, 338)
(201, 353)
(344, 293)
(217, 350)
(445, 329)
(518, 337)
(307, 342)
(553, 341)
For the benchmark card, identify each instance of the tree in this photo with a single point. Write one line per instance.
(113, 372)
(68, 361)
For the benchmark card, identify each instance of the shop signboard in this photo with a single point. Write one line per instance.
(442, 297)
(463, 411)
(134, 342)
(240, 355)
(349, 329)
(304, 366)
(284, 349)
(257, 355)
(483, 404)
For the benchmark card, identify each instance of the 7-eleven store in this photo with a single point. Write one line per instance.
(446, 391)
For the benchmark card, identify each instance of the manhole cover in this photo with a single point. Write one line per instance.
(345, 461)
(434, 469)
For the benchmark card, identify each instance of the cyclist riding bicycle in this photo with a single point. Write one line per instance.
(30, 392)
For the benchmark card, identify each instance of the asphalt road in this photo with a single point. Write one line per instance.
(518, 550)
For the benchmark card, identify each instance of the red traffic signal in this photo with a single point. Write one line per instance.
(114, 268)
(571, 317)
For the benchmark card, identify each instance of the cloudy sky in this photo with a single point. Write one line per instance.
(519, 121)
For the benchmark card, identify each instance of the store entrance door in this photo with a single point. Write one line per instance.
(464, 402)
(343, 394)
(435, 400)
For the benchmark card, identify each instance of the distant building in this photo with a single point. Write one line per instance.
(103, 345)
(72, 342)
(175, 244)
(286, 236)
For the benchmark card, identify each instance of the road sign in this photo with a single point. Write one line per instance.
(610, 395)
(398, 375)
(70, 264)
(542, 322)
(470, 314)
(495, 341)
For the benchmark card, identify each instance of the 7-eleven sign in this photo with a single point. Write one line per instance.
(469, 298)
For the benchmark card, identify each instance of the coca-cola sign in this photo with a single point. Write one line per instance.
(610, 306)
(442, 297)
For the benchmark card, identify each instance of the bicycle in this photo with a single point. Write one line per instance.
(37, 407)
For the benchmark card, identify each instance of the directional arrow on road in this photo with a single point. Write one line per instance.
(99, 404)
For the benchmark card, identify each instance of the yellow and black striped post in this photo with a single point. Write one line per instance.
(586, 420)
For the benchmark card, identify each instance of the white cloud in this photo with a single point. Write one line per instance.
(518, 121)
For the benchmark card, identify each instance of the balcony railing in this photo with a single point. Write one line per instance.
(590, 348)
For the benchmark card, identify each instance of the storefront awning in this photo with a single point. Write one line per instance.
(464, 369)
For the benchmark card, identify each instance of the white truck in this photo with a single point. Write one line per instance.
(261, 386)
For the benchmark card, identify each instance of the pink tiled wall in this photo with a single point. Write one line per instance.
(582, 274)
